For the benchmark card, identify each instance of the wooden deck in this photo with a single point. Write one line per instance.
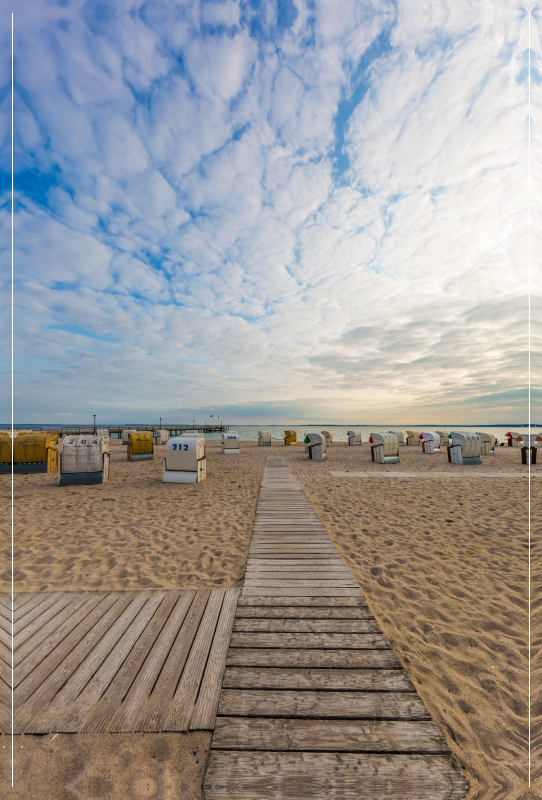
(314, 702)
(114, 661)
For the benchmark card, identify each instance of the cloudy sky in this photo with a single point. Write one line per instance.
(271, 210)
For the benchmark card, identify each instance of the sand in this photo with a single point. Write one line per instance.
(442, 562)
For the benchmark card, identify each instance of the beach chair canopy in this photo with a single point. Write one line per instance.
(182, 453)
(487, 437)
(84, 453)
(400, 436)
(230, 440)
(126, 435)
(388, 440)
(28, 448)
(329, 437)
(430, 436)
(471, 443)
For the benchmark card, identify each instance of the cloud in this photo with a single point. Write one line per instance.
(267, 207)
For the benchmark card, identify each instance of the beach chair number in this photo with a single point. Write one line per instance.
(231, 437)
(180, 446)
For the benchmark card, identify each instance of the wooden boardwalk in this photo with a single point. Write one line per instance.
(314, 702)
(114, 661)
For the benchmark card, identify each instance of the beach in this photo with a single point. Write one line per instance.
(442, 562)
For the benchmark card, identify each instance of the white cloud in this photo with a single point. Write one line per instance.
(198, 218)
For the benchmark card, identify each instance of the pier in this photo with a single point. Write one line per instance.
(115, 432)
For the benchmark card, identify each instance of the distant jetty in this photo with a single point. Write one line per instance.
(115, 432)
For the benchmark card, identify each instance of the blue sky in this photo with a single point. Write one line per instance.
(313, 209)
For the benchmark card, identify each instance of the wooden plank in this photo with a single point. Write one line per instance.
(158, 635)
(302, 612)
(70, 679)
(39, 622)
(303, 601)
(377, 736)
(54, 631)
(299, 575)
(204, 715)
(76, 709)
(284, 557)
(347, 776)
(154, 712)
(274, 564)
(307, 625)
(26, 604)
(313, 659)
(318, 641)
(261, 591)
(180, 710)
(321, 705)
(374, 680)
(281, 582)
(36, 612)
(20, 598)
(51, 674)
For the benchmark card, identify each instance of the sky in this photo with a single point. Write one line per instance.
(271, 211)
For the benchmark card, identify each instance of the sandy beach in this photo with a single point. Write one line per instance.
(442, 562)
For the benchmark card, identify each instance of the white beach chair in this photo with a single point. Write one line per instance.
(126, 435)
(185, 460)
(444, 438)
(430, 441)
(465, 448)
(515, 439)
(413, 438)
(84, 460)
(329, 437)
(230, 442)
(354, 438)
(161, 436)
(317, 447)
(488, 443)
(384, 448)
(264, 439)
(400, 437)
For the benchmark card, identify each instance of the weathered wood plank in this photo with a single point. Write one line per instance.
(314, 659)
(328, 583)
(317, 641)
(346, 776)
(130, 682)
(302, 601)
(377, 736)
(204, 714)
(261, 591)
(155, 710)
(180, 710)
(77, 700)
(43, 659)
(51, 674)
(45, 639)
(306, 625)
(353, 705)
(291, 565)
(381, 680)
(299, 575)
(37, 623)
(302, 612)
(38, 610)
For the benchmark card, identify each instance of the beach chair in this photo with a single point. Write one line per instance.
(32, 452)
(84, 460)
(354, 438)
(102, 432)
(514, 439)
(126, 436)
(140, 446)
(400, 437)
(465, 448)
(317, 446)
(185, 460)
(290, 437)
(384, 448)
(488, 443)
(412, 438)
(444, 438)
(530, 447)
(430, 441)
(329, 437)
(161, 436)
(230, 442)
(264, 439)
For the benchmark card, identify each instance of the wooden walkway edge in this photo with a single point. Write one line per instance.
(314, 702)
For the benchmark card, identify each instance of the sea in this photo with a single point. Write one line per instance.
(339, 432)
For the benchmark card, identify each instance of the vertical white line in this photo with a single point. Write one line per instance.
(12, 420)
(529, 392)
